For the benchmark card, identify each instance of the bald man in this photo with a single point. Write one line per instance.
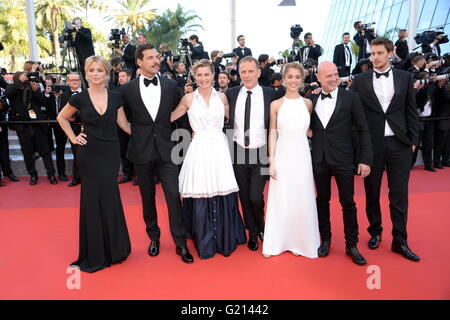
(335, 112)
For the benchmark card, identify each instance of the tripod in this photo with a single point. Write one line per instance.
(73, 62)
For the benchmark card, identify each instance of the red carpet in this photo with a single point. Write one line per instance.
(39, 230)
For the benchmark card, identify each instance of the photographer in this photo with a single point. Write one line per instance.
(242, 51)
(434, 47)
(128, 54)
(165, 58)
(197, 50)
(216, 59)
(310, 66)
(116, 65)
(342, 57)
(223, 81)
(84, 45)
(180, 73)
(311, 50)
(142, 39)
(363, 38)
(266, 70)
(26, 100)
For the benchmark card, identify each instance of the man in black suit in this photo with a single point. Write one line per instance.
(248, 135)
(433, 47)
(342, 57)
(336, 111)
(242, 51)
(128, 53)
(388, 98)
(26, 99)
(311, 50)
(150, 100)
(84, 45)
(74, 82)
(363, 38)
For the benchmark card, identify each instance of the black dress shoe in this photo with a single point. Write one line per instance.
(63, 177)
(52, 180)
(125, 179)
(185, 254)
(74, 182)
(261, 236)
(153, 250)
(253, 244)
(430, 169)
(446, 163)
(324, 249)
(405, 251)
(12, 177)
(33, 181)
(356, 256)
(374, 242)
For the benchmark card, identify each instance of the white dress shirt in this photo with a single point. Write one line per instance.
(151, 96)
(384, 89)
(257, 126)
(325, 108)
(347, 55)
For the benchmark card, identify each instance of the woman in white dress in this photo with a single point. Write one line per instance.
(291, 215)
(207, 183)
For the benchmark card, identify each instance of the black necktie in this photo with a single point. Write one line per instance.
(386, 74)
(324, 96)
(154, 81)
(248, 104)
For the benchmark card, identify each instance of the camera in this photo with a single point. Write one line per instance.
(427, 37)
(233, 72)
(230, 55)
(67, 35)
(285, 60)
(56, 87)
(184, 42)
(308, 89)
(368, 27)
(296, 31)
(45, 66)
(33, 76)
(346, 80)
(115, 36)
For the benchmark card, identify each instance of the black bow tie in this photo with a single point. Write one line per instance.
(324, 96)
(386, 74)
(154, 81)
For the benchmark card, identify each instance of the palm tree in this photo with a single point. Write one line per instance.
(13, 30)
(100, 5)
(51, 14)
(133, 15)
(171, 26)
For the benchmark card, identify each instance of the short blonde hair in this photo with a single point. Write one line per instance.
(101, 61)
(201, 64)
(293, 65)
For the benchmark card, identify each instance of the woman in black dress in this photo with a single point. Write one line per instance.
(104, 238)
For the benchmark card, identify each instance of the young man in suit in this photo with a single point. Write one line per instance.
(150, 100)
(311, 50)
(388, 98)
(342, 57)
(128, 53)
(249, 123)
(242, 51)
(336, 111)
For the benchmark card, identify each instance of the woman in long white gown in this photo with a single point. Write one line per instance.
(207, 183)
(291, 215)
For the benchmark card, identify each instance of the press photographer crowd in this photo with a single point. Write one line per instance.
(30, 104)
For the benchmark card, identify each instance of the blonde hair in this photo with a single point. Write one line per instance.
(101, 61)
(293, 65)
(201, 64)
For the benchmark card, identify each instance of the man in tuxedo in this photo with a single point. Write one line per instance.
(336, 111)
(249, 123)
(74, 82)
(342, 57)
(128, 53)
(150, 100)
(84, 45)
(242, 51)
(311, 50)
(388, 98)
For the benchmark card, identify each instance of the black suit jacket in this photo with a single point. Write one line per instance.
(361, 42)
(401, 114)
(148, 133)
(129, 56)
(339, 59)
(314, 53)
(336, 140)
(84, 44)
(238, 51)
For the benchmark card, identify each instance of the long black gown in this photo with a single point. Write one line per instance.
(104, 238)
